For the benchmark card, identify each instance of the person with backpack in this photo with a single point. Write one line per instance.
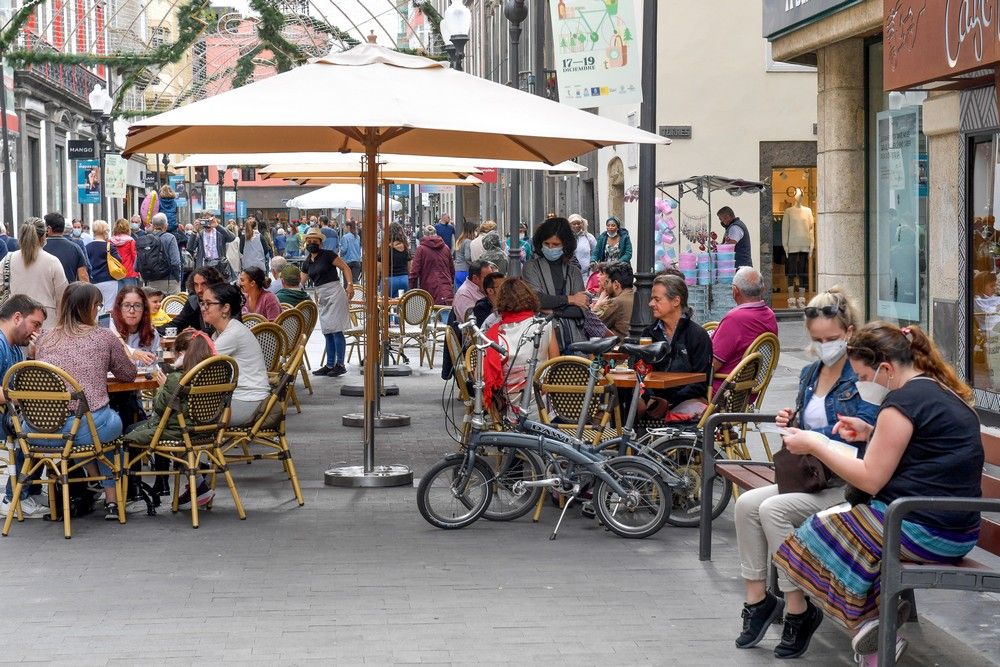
(123, 242)
(158, 259)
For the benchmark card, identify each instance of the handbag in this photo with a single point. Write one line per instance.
(799, 473)
(115, 268)
(5, 292)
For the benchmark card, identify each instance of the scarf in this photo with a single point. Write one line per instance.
(492, 363)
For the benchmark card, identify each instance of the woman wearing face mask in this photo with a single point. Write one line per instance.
(925, 442)
(555, 276)
(614, 244)
(331, 296)
(764, 518)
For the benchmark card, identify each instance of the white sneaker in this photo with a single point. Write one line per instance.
(871, 659)
(137, 506)
(30, 508)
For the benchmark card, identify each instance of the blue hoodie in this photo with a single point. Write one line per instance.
(168, 207)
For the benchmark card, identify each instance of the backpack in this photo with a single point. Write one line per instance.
(81, 499)
(150, 258)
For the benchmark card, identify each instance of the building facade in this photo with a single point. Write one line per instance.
(908, 156)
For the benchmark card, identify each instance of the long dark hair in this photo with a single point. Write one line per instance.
(257, 277)
(230, 295)
(76, 315)
(146, 333)
(556, 227)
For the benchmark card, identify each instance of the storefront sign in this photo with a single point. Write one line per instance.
(597, 57)
(177, 184)
(115, 171)
(212, 198)
(81, 149)
(898, 214)
(88, 182)
(781, 16)
(399, 190)
(927, 41)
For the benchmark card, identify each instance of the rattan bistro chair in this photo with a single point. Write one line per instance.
(560, 385)
(252, 319)
(271, 339)
(268, 428)
(310, 314)
(201, 406)
(768, 347)
(414, 312)
(40, 397)
(173, 305)
(294, 324)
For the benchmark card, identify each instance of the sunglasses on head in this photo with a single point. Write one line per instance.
(826, 311)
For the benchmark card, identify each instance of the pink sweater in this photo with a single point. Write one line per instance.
(88, 359)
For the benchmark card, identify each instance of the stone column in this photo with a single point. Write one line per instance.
(840, 166)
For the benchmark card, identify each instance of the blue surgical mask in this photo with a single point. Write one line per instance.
(552, 254)
(77, 233)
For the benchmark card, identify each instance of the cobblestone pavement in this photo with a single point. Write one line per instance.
(356, 576)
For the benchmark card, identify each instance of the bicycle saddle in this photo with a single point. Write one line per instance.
(653, 353)
(594, 345)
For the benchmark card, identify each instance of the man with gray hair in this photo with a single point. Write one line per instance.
(158, 258)
(743, 324)
(277, 263)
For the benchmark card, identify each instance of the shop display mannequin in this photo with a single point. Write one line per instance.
(797, 236)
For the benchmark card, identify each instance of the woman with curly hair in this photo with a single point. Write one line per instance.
(555, 276)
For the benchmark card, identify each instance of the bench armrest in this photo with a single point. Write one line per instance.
(899, 508)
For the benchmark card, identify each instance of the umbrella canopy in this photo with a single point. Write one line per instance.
(319, 160)
(337, 195)
(387, 170)
(401, 180)
(410, 105)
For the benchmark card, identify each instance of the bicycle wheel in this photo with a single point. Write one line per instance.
(645, 508)
(683, 457)
(446, 501)
(507, 505)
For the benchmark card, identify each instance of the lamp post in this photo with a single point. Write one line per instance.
(641, 315)
(8, 198)
(100, 106)
(220, 172)
(515, 11)
(236, 196)
(538, 75)
(456, 23)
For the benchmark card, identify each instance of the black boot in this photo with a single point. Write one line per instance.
(799, 629)
(757, 618)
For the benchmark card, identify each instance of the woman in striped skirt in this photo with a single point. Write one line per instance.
(925, 442)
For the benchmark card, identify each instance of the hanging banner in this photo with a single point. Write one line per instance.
(115, 176)
(229, 201)
(597, 57)
(179, 187)
(88, 182)
(898, 187)
(212, 198)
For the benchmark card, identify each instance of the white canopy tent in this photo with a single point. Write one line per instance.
(338, 195)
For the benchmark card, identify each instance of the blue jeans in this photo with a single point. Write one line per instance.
(397, 284)
(108, 425)
(336, 346)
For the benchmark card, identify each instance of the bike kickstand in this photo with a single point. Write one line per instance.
(561, 515)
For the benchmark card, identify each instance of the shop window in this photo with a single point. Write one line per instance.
(793, 205)
(984, 262)
(898, 182)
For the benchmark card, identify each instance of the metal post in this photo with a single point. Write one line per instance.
(368, 474)
(8, 198)
(538, 72)
(99, 135)
(236, 200)
(641, 315)
(159, 183)
(515, 11)
(458, 44)
(221, 173)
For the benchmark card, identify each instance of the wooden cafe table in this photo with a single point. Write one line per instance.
(625, 379)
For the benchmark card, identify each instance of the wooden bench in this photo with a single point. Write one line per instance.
(898, 579)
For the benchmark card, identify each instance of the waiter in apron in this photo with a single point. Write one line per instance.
(321, 267)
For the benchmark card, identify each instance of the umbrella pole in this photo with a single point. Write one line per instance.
(389, 370)
(369, 474)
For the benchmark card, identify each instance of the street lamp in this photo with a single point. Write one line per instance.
(236, 195)
(220, 171)
(515, 11)
(100, 106)
(455, 28)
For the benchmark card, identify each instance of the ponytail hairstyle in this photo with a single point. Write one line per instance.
(878, 342)
(31, 238)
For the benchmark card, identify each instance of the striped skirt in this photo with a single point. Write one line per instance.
(836, 559)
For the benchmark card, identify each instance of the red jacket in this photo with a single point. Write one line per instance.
(432, 269)
(126, 250)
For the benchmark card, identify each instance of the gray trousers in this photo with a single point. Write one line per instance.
(764, 518)
(168, 286)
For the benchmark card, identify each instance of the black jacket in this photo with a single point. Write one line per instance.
(190, 316)
(690, 352)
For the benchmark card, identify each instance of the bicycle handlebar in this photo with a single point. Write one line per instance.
(478, 333)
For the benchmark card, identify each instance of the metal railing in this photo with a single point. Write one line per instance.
(76, 80)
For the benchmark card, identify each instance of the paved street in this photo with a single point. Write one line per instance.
(358, 577)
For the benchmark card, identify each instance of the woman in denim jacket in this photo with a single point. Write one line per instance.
(764, 518)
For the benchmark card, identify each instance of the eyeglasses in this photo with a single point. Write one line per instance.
(206, 304)
(131, 306)
(827, 311)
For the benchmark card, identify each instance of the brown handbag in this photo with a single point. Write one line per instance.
(799, 473)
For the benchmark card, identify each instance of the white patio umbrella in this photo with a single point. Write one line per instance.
(316, 160)
(337, 195)
(409, 105)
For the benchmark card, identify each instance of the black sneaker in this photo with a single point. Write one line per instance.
(757, 618)
(337, 371)
(325, 370)
(799, 629)
(110, 511)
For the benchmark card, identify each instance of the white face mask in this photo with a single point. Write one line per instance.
(831, 351)
(871, 391)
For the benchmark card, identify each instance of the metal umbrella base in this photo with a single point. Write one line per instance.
(358, 390)
(381, 420)
(390, 371)
(380, 476)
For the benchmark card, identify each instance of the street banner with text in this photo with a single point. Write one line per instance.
(229, 201)
(179, 187)
(597, 57)
(115, 176)
(88, 182)
(212, 199)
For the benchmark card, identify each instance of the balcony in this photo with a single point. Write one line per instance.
(75, 80)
